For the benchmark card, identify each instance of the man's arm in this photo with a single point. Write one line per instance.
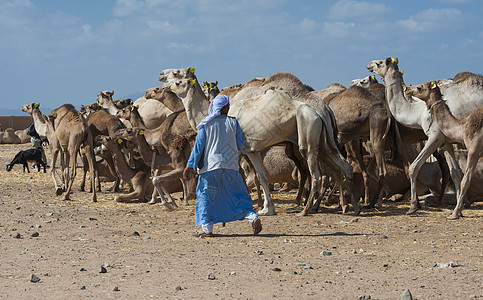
(195, 155)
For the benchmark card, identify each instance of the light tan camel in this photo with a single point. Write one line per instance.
(210, 89)
(468, 131)
(137, 178)
(9, 137)
(414, 115)
(231, 91)
(333, 88)
(23, 136)
(72, 132)
(272, 118)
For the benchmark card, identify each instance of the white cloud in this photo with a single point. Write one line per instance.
(434, 20)
(345, 9)
(338, 29)
(124, 8)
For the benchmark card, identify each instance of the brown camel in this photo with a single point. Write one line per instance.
(72, 132)
(9, 137)
(137, 177)
(468, 131)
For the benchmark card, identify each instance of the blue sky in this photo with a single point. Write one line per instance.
(58, 51)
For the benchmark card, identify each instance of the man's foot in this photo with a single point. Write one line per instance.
(257, 226)
(202, 234)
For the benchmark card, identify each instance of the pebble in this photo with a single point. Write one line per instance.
(83, 287)
(91, 219)
(49, 214)
(406, 295)
(106, 264)
(178, 288)
(308, 267)
(102, 270)
(116, 289)
(326, 253)
(211, 276)
(293, 273)
(135, 233)
(34, 278)
(17, 235)
(276, 269)
(259, 252)
(38, 226)
(446, 265)
(34, 234)
(82, 270)
(364, 297)
(384, 236)
(232, 273)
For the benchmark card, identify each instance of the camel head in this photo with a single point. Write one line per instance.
(210, 89)
(155, 93)
(122, 103)
(428, 92)
(364, 82)
(113, 144)
(380, 67)
(125, 133)
(180, 87)
(174, 74)
(29, 108)
(104, 96)
(87, 110)
(125, 113)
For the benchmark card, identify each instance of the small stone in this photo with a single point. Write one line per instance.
(232, 273)
(91, 219)
(34, 278)
(17, 235)
(83, 287)
(82, 270)
(384, 236)
(300, 264)
(38, 226)
(385, 265)
(293, 273)
(135, 233)
(326, 253)
(147, 238)
(106, 264)
(178, 288)
(308, 267)
(34, 234)
(102, 270)
(406, 295)
(259, 252)
(49, 214)
(211, 276)
(364, 297)
(116, 289)
(276, 269)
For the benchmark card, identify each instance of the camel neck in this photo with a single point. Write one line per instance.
(451, 127)
(39, 122)
(136, 120)
(402, 109)
(196, 106)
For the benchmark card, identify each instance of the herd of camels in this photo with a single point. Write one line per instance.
(368, 127)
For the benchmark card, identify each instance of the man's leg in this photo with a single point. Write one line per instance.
(252, 217)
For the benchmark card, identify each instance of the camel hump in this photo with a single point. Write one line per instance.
(464, 76)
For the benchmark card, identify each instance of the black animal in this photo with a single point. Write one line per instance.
(33, 155)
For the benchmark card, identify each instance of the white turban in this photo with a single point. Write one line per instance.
(215, 107)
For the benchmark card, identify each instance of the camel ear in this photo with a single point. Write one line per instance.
(36, 105)
(130, 101)
(432, 85)
(390, 60)
(216, 82)
(112, 92)
(404, 88)
(373, 77)
(119, 141)
(191, 70)
(132, 108)
(141, 132)
(192, 81)
(205, 83)
(44, 116)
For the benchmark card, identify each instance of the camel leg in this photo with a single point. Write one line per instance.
(71, 172)
(155, 191)
(324, 185)
(113, 170)
(257, 162)
(354, 149)
(472, 161)
(89, 153)
(294, 154)
(445, 173)
(58, 189)
(315, 175)
(431, 145)
(454, 169)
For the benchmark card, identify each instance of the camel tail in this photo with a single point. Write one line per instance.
(395, 139)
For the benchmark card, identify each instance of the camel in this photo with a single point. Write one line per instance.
(71, 131)
(415, 115)
(273, 118)
(468, 131)
(138, 178)
(365, 82)
(210, 89)
(102, 123)
(23, 136)
(173, 161)
(9, 137)
(86, 110)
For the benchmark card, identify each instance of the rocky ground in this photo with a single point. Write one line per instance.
(78, 249)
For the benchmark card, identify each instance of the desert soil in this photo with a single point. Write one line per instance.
(148, 251)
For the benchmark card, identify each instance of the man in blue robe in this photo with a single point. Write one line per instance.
(221, 193)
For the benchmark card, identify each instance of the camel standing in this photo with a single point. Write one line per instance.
(468, 131)
(415, 115)
(72, 133)
(210, 89)
(271, 119)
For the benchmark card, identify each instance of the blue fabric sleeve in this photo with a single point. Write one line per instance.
(240, 139)
(195, 155)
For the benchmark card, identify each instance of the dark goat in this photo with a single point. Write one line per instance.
(33, 155)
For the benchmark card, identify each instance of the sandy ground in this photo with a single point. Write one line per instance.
(148, 251)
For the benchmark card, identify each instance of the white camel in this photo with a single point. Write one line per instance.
(269, 119)
(414, 114)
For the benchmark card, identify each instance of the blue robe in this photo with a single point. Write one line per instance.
(221, 193)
